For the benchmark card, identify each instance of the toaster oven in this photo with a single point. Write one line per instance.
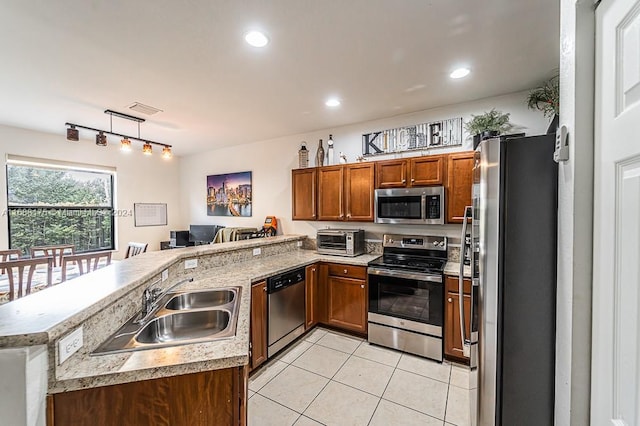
(340, 242)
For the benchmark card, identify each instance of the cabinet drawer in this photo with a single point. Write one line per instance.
(452, 284)
(348, 271)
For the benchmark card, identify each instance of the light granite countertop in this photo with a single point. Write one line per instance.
(44, 317)
(453, 268)
(103, 370)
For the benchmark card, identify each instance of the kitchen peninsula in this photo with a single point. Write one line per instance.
(42, 319)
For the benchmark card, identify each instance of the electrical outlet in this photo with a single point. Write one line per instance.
(257, 251)
(69, 345)
(165, 275)
(299, 243)
(190, 263)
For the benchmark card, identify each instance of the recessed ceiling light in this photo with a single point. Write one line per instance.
(333, 102)
(256, 39)
(460, 72)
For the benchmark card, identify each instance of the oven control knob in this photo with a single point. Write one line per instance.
(441, 243)
(435, 244)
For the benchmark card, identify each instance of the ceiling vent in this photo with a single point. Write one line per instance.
(144, 109)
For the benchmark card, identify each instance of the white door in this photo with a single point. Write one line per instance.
(615, 387)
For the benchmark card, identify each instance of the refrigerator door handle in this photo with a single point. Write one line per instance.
(466, 342)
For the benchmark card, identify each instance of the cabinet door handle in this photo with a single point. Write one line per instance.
(413, 180)
(345, 271)
(313, 269)
(264, 288)
(361, 285)
(404, 181)
(449, 300)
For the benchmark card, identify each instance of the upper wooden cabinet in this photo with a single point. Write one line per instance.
(410, 172)
(330, 193)
(459, 182)
(345, 192)
(303, 184)
(358, 192)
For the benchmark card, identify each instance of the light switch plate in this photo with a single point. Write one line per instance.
(299, 244)
(190, 263)
(69, 345)
(257, 251)
(165, 275)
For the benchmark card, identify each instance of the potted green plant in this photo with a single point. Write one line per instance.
(487, 125)
(546, 98)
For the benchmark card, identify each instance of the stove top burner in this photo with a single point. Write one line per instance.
(414, 263)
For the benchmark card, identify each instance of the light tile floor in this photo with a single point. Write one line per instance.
(329, 378)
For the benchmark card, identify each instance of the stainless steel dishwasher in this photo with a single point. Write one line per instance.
(286, 309)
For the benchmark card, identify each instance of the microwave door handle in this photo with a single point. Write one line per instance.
(466, 343)
(423, 206)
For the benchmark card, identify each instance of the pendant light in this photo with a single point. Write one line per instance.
(147, 149)
(125, 145)
(166, 153)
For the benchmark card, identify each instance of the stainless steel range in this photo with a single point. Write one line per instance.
(406, 294)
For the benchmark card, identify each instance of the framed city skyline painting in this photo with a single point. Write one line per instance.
(229, 194)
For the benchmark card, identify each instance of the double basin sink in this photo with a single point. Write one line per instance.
(180, 318)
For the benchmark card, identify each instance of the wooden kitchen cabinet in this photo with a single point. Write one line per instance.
(345, 192)
(311, 295)
(347, 297)
(303, 184)
(358, 192)
(458, 186)
(411, 172)
(258, 325)
(330, 193)
(200, 399)
(452, 337)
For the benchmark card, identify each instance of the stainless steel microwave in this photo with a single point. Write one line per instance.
(410, 205)
(341, 242)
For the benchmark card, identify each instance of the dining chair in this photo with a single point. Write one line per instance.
(7, 255)
(135, 249)
(56, 251)
(85, 262)
(17, 268)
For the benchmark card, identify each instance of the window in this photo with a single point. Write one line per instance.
(51, 204)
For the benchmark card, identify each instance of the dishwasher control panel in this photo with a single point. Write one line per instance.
(285, 279)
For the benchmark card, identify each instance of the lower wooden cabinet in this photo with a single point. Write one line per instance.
(347, 297)
(201, 399)
(311, 296)
(258, 324)
(452, 336)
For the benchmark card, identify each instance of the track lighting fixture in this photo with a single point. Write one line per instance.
(101, 139)
(166, 153)
(125, 143)
(72, 134)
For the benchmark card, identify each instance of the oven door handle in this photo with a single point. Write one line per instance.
(466, 342)
(403, 274)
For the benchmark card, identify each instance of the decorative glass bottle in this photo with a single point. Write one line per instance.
(320, 155)
(303, 156)
(330, 161)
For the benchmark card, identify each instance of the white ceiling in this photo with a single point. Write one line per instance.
(69, 60)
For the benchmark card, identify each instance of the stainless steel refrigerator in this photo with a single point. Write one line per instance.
(511, 342)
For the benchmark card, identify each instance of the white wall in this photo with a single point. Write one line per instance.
(575, 205)
(139, 179)
(271, 162)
